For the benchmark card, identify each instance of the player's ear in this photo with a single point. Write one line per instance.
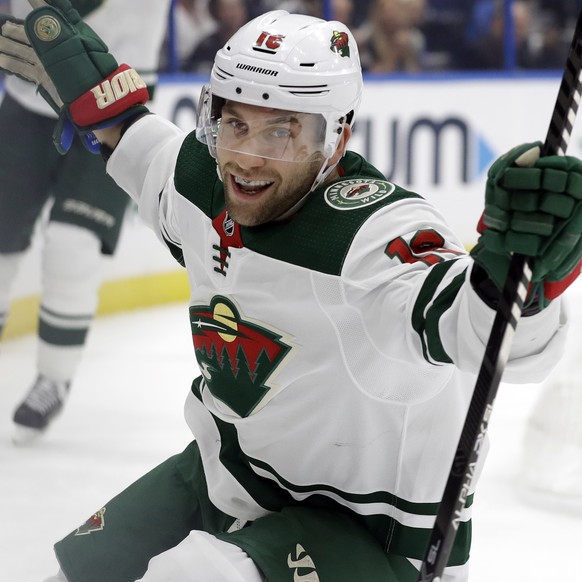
(341, 144)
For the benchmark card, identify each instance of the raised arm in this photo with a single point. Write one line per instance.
(75, 73)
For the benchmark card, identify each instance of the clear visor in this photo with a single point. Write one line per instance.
(257, 131)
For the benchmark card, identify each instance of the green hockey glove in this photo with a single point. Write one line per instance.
(533, 207)
(18, 58)
(83, 7)
(95, 90)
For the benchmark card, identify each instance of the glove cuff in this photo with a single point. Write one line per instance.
(490, 294)
(120, 91)
(553, 289)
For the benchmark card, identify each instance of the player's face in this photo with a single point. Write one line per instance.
(268, 160)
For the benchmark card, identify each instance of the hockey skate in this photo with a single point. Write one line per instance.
(42, 404)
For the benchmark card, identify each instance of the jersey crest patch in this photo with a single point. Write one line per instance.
(237, 358)
(95, 523)
(357, 193)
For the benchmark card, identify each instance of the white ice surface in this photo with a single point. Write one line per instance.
(125, 415)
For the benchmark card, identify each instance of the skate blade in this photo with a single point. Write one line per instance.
(24, 435)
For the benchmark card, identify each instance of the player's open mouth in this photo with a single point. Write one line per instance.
(250, 187)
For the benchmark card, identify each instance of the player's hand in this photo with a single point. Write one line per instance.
(533, 207)
(18, 58)
(95, 90)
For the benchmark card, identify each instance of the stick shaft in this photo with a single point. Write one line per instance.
(499, 343)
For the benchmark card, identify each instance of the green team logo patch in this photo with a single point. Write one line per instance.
(357, 193)
(238, 358)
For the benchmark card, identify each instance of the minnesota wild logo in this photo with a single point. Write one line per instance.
(95, 523)
(356, 193)
(47, 28)
(238, 358)
(339, 43)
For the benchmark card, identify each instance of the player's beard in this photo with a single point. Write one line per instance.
(286, 192)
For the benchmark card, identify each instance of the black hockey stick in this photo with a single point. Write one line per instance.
(499, 343)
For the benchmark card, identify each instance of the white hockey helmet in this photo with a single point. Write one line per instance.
(289, 62)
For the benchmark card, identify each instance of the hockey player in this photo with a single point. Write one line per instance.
(337, 321)
(86, 212)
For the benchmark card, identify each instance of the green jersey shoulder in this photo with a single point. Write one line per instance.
(319, 235)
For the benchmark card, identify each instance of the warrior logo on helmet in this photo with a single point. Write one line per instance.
(339, 43)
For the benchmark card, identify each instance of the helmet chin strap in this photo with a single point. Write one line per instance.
(323, 173)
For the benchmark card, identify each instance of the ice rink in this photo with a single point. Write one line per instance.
(125, 415)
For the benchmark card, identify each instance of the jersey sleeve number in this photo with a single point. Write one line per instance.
(425, 245)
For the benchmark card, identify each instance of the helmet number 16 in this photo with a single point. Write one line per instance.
(270, 41)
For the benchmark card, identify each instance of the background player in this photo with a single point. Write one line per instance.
(85, 210)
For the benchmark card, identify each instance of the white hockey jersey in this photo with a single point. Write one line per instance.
(133, 30)
(338, 349)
